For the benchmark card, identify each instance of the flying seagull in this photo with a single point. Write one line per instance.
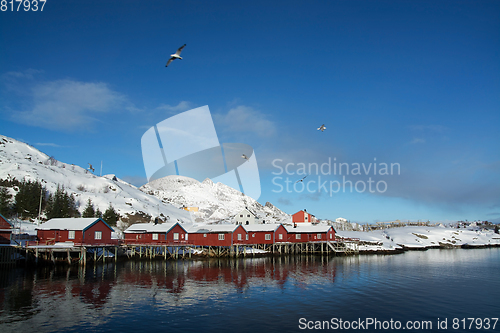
(322, 128)
(244, 156)
(176, 55)
(298, 181)
(91, 168)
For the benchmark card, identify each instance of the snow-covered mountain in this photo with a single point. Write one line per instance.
(214, 201)
(22, 161)
(162, 197)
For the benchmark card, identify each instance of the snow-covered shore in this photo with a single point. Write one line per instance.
(421, 238)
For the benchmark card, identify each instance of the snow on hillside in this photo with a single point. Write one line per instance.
(22, 161)
(214, 201)
(426, 237)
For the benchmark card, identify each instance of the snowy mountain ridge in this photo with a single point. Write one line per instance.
(21, 161)
(214, 201)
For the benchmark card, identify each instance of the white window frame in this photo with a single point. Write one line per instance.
(98, 235)
(204, 235)
(221, 236)
(246, 237)
(71, 234)
(297, 236)
(176, 236)
(239, 237)
(186, 238)
(267, 237)
(154, 236)
(319, 236)
(280, 236)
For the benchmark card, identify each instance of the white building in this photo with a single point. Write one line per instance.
(341, 220)
(246, 217)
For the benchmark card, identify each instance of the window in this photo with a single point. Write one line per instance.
(239, 237)
(330, 236)
(319, 236)
(155, 237)
(186, 236)
(267, 237)
(204, 235)
(246, 237)
(253, 235)
(221, 236)
(176, 236)
(248, 215)
(241, 215)
(280, 236)
(247, 223)
(297, 236)
(71, 234)
(98, 235)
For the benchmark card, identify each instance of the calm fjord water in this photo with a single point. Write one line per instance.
(255, 294)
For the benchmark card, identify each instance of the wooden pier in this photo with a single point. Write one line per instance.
(84, 254)
(142, 251)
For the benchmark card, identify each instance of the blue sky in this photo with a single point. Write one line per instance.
(412, 83)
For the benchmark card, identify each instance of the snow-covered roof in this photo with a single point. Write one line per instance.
(246, 209)
(307, 227)
(82, 223)
(151, 227)
(261, 227)
(205, 229)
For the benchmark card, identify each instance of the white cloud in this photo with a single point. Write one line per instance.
(48, 144)
(417, 140)
(246, 119)
(182, 106)
(68, 104)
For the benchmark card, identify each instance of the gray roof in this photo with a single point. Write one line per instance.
(151, 227)
(70, 224)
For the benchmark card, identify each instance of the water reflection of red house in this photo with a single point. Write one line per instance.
(90, 293)
(144, 275)
(159, 233)
(89, 231)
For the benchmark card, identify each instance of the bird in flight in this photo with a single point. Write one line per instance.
(176, 55)
(322, 128)
(91, 168)
(298, 181)
(244, 156)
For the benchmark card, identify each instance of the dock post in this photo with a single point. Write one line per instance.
(69, 256)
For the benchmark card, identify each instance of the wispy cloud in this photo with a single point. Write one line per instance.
(284, 201)
(417, 140)
(64, 104)
(48, 144)
(246, 119)
(182, 106)
(430, 128)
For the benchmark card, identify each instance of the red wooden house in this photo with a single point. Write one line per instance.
(310, 233)
(160, 233)
(88, 231)
(5, 230)
(302, 216)
(215, 235)
(265, 233)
